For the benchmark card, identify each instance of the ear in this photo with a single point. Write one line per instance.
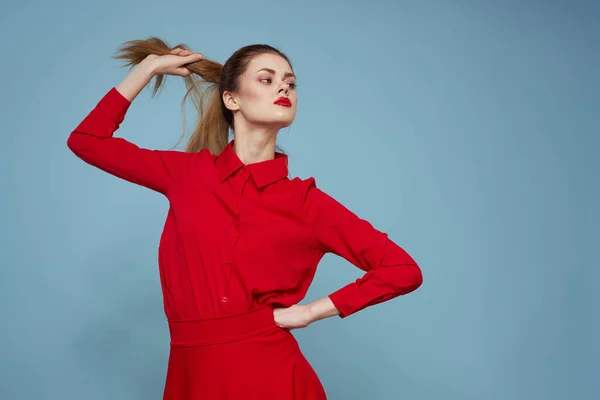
(230, 101)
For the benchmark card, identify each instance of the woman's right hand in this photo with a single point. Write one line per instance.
(174, 63)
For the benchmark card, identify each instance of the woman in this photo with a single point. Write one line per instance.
(242, 240)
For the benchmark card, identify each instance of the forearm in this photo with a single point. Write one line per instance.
(321, 309)
(136, 80)
(93, 140)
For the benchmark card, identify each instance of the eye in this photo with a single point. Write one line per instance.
(291, 85)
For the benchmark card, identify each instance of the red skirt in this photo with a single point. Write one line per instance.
(244, 356)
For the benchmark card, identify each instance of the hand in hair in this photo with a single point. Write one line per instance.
(174, 63)
(157, 60)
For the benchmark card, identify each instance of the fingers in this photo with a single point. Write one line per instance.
(193, 57)
(186, 53)
(177, 67)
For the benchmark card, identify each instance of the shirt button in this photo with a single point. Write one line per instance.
(224, 299)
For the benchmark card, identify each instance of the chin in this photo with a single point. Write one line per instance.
(281, 123)
(285, 124)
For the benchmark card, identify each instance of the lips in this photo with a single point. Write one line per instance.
(283, 101)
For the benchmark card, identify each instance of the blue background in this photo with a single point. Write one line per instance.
(466, 130)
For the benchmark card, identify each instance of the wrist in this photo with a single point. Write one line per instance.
(321, 309)
(136, 80)
(147, 67)
(310, 313)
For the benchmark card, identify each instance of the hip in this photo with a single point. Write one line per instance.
(245, 356)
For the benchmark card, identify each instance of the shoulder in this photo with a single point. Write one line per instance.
(203, 159)
(309, 194)
(172, 154)
(205, 155)
(318, 203)
(302, 186)
(182, 161)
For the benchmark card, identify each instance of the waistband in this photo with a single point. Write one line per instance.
(224, 329)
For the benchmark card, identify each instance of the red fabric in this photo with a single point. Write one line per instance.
(238, 236)
(241, 356)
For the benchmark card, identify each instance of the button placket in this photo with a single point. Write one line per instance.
(244, 175)
(228, 269)
(228, 266)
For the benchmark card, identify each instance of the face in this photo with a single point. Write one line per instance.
(258, 101)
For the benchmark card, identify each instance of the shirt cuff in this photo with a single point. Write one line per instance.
(106, 117)
(346, 300)
(114, 105)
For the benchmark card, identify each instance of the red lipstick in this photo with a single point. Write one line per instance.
(283, 101)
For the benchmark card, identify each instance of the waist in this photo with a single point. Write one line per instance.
(224, 329)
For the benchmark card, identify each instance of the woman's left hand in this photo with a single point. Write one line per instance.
(296, 316)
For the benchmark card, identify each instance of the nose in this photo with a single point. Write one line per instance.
(283, 88)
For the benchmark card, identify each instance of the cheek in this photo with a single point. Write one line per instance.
(255, 93)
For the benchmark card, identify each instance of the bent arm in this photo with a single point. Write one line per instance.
(93, 140)
(389, 270)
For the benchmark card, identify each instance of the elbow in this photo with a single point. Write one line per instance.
(77, 143)
(413, 278)
(73, 141)
(418, 277)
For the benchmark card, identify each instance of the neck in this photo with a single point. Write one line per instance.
(254, 144)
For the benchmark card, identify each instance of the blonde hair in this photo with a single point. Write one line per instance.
(205, 87)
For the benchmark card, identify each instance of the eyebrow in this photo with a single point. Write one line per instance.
(286, 75)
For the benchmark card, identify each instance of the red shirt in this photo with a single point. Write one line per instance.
(238, 236)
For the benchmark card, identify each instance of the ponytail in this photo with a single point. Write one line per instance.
(212, 128)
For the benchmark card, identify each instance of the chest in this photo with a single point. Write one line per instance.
(264, 228)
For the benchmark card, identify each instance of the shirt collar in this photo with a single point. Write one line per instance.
(263, 172)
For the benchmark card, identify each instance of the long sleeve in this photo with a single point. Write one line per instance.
(94, 143)
(389, 270)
